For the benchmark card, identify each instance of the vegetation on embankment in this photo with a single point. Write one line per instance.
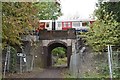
(22, 17)
(106, 28)
(106, 31)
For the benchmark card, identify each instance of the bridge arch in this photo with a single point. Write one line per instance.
(55, 44)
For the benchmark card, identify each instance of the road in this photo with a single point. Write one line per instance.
(53, 72)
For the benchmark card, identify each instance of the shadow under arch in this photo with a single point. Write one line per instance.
(55, 44)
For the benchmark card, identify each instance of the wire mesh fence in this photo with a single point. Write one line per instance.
(95, 65)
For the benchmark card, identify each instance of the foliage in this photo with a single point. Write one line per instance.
(107, 7)
(60, 51)
(21, 17)
(17, 18)
(0, 23)
(13, 60)
(48, 10)
(105, 30)
(61, 61)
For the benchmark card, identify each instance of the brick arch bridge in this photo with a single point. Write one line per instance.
(54, 44)
(48, 40)
(53, 39)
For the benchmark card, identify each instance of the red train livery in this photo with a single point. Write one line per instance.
(79, 25)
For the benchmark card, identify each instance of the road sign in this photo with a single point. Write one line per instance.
(24, 59)
(21, 54)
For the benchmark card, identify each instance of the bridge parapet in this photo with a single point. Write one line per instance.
(29, 37)
(57, 34)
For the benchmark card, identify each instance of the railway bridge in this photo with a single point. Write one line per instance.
(53, 39)
(48, 40)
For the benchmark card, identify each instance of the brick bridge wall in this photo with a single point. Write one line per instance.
(41, 53)
(57, 34)
(65, 38)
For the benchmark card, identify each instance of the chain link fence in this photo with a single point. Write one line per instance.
(95, 64)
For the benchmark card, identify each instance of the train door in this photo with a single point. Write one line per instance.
(53, 25)
(66, 25)
(58, 25)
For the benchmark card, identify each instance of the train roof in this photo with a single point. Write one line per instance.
(78, 20)
(66, 20)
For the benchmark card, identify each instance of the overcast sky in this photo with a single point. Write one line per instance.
(73, 8)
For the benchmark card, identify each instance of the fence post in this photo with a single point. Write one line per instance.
(5, 66)
(109, 62)
(20, 64)
(8, 60)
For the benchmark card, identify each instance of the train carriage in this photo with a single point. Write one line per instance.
(79, 25)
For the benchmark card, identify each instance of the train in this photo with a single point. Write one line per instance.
(78, 25)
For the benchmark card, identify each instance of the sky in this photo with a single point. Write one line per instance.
(77, 8)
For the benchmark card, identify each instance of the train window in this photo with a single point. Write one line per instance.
(59, 24)
(68, 24)
(76, 23)
(42, 25)
(85, 23)
(47, 24)
(65, 24)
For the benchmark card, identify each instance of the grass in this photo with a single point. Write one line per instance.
(61, 61)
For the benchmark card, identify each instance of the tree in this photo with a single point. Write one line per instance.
(48, 10)
(60, 51)
(21, 17)
(106, 29)
(17, 18)
(104, 32)
(107, 8)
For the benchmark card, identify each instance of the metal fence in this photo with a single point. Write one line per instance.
(92, 65)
